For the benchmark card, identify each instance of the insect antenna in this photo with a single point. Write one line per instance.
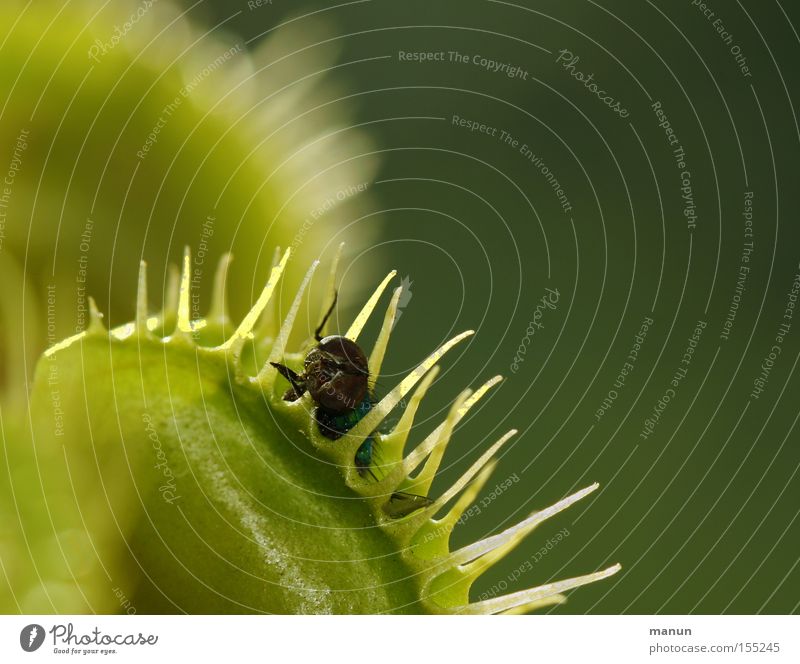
(318, 331)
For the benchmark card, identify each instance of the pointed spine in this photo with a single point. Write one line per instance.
(421, 484)
(266, 377)
(379, 350)
(368, 424)
(330, 288)
(416, 457)
(141, 325)
(486, 459)
(425, 523)
(433, 538)
(523, 597)
(536, 604)
(235, 342)
(268, 324)
(95, 319)
(363, 316)
(218, 313)
(183, 327)
(171, 293)
(515, 533)
(393, 444)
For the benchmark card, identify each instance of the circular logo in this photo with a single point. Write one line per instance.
(31, 637)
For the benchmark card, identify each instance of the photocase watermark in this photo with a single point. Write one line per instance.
(102, 48)
(14, 166)
(256, 4)
(83, 271)
(627, 368)
(31, 637)
(569, 61)
(333, 393)
(725, 35)
(67, 642)
(339, 197)
(169, 109)
(124, 602)
(206, 233)
(405, 297)
(474, 510)
(543, 168)
(324, 208)
(168, 489)
(502, 585)
(548, 301)
(508, 139)
(475, 59)
(675, 382)
(494, 66)
(52, 336)
(784, 327)
(52, 368)
(748, 247)
(679, 156)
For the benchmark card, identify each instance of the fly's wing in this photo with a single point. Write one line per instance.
(402, 504)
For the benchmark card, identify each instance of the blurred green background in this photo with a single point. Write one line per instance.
(702, 514)
(702, 511)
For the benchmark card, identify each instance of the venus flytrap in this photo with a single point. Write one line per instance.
(128, 124)
(265, 513)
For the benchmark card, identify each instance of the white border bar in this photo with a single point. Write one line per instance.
(410, 639)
